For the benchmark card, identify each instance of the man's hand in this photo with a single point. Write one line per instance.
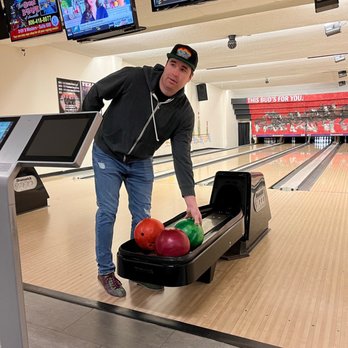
(192, 209)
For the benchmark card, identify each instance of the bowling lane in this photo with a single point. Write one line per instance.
(161, 168)
(335, 176)
(280, 167)
(209, 170)
(164, 165)
(273, 171)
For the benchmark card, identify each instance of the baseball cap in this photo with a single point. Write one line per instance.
(186, 54)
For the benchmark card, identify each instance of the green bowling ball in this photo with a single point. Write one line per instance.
(193, 231)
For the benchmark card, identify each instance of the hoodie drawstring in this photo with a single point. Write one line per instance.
(151, 117)
(153, 112)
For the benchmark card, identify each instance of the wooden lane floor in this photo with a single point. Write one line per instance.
(290, 292)
(273, 171)
(337, 170)
(202, 157)
(280, 167)
(210, 170)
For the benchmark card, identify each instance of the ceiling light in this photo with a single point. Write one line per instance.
(232, 43)
(332, 28)
(339, 58)
(342, 73)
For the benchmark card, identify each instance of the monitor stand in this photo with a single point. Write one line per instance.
(54, 140)
(13, 327)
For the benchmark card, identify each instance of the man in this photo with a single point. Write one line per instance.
(148, 106)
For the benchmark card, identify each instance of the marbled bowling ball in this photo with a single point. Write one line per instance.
(193, 231)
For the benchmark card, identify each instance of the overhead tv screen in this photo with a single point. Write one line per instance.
(6, 126)
(98, 19)
(158, 5)
(3, 24)
(31, 18)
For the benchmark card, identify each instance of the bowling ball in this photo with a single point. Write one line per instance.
(194, 232)
(146, 232)
(172, 242)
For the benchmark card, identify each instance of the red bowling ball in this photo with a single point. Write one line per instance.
(146, 232)
(172, 242)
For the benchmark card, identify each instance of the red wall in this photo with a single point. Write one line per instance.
(298, 115)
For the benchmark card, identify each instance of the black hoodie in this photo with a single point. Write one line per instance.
(136, 124)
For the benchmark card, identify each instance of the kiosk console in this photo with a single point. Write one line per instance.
(234, 221)
(53, 140)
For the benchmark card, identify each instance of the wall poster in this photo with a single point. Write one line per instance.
(71, 94)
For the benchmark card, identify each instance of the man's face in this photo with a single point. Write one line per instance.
(175, 76)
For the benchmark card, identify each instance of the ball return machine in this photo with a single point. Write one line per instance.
(234, 221)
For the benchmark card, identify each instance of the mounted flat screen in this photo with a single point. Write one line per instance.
(57, 138)
(32, 18)
(91, 20)
(158, 5)
(3, 24)
(6, 127)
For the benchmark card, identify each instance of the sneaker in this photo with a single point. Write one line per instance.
(112, 285)
(151, 286)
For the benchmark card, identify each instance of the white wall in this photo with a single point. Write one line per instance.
(30, 87)
(217, 114)
(231, 123)
(215, 121)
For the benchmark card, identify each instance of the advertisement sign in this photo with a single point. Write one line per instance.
(296, 115)
(31, 18)
(71, 94)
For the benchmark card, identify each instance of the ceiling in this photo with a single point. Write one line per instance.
(279, 41)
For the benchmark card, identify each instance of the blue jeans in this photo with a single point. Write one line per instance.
(109, 175)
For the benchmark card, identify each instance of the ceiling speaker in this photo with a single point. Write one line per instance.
(324, 5)
(202, 92)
